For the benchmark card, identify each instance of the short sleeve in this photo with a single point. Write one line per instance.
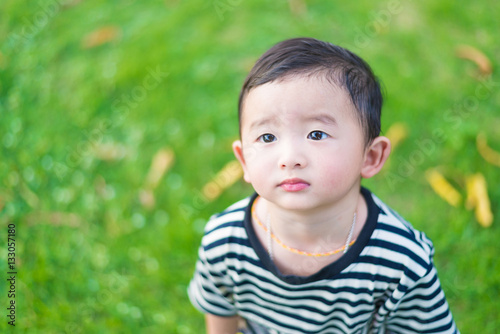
(422, 308)
(210, 289)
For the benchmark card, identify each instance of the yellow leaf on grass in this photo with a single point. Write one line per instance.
(477, 198)
(100, 36)
(490, 155)
(54, 218)
(147, 198)
(442, 187)
(29, 196)
(471, 53)
(226, 177)
(110, 151)
(297, 7)
(161, 162)
(397, 133)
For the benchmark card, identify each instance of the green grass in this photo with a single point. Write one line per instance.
(92, 259)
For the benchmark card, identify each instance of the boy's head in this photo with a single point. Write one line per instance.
(310, 57)
(309, 125)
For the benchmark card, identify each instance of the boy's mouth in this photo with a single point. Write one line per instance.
(294, 184)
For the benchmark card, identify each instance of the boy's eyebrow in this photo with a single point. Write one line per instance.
(323, 118)
(263, 121)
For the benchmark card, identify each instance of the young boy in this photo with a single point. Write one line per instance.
(312, 251)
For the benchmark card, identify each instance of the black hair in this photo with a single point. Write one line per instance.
(309, 56)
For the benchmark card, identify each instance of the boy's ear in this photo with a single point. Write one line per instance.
(375, 156)
(238, 152)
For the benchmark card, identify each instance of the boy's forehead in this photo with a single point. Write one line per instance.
(310, 98)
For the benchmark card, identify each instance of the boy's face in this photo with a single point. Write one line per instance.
(302, 146)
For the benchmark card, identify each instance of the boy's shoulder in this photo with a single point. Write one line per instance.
(232, 216)
(396, 234)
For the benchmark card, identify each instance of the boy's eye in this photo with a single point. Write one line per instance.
(317, 135)
(267, 138)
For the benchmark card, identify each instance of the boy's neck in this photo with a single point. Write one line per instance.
(328, 226)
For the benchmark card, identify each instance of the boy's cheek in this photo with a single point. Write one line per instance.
(244, 167)
(249, 153)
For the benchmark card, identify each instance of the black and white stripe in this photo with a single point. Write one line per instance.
(385, 283)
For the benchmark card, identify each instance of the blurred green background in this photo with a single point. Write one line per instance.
(115, 115)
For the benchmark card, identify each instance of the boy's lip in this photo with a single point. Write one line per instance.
(293, 184)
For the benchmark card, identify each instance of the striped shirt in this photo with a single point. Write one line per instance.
(385, 283)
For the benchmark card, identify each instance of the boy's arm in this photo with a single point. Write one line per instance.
(423, 308)
(221, 325)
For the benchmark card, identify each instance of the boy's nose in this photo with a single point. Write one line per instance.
(292, 157)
